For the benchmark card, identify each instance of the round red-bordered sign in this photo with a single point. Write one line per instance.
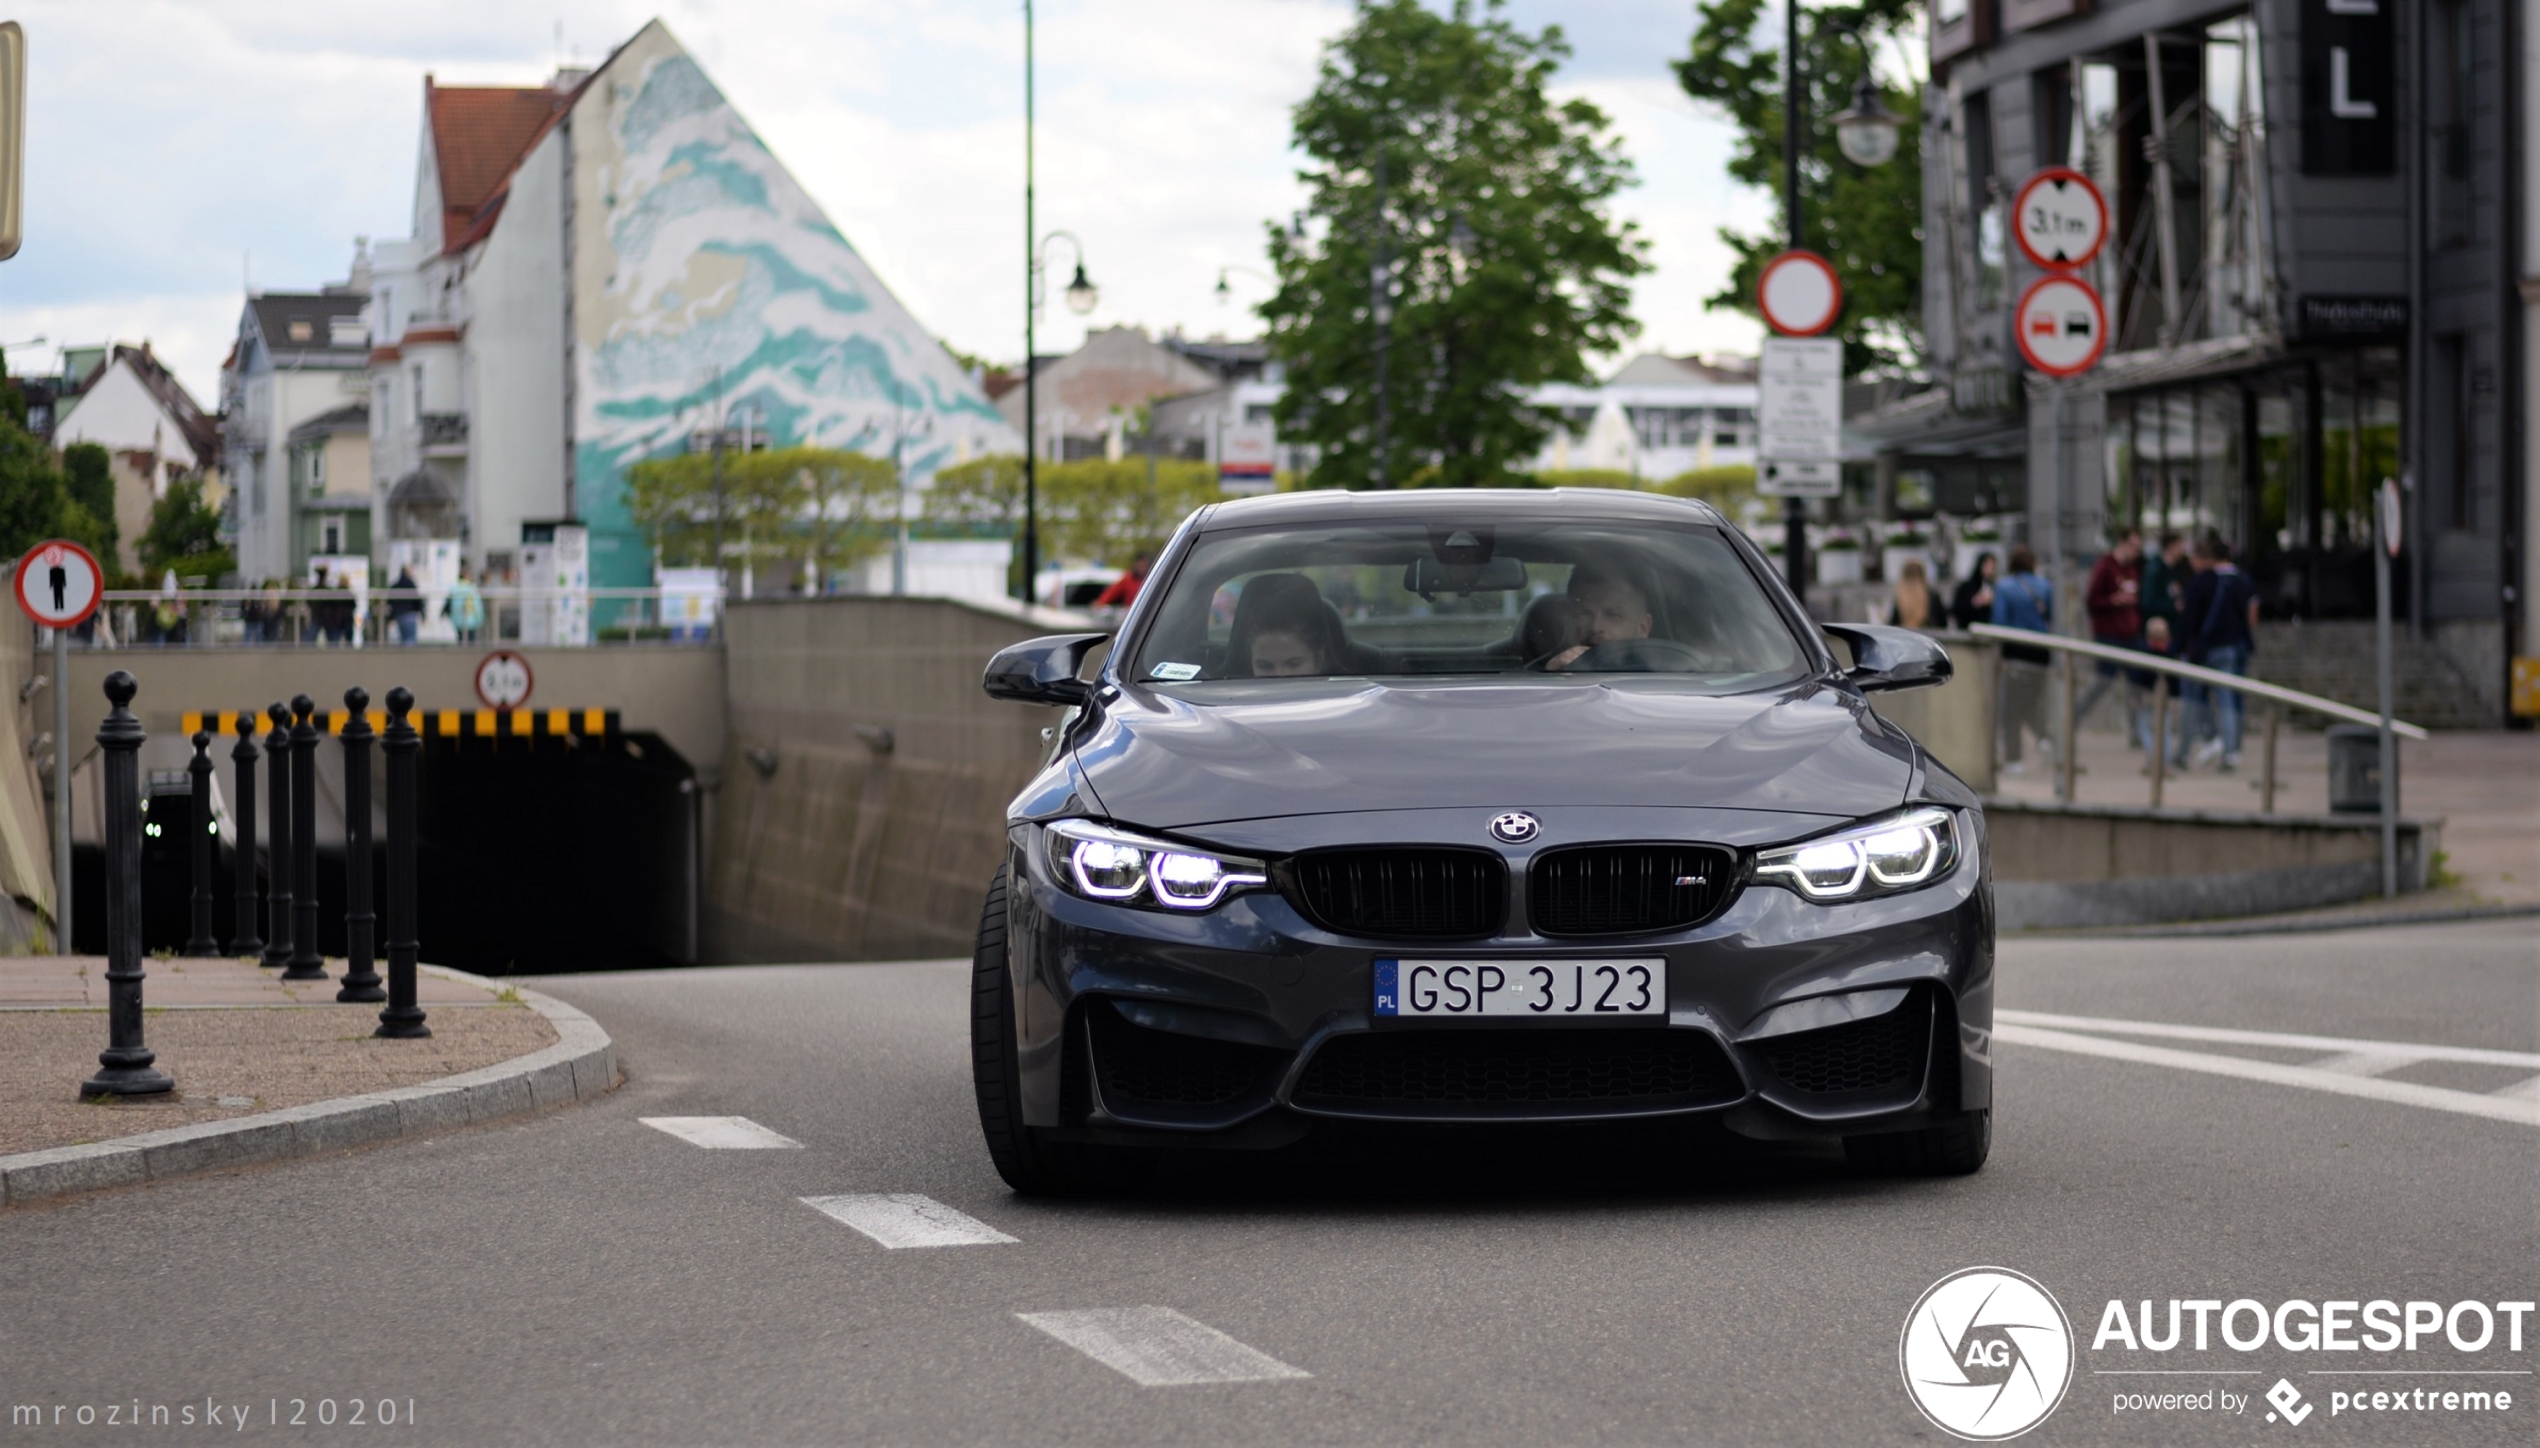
(1799, 294)
(503, 680)
(2059, 219)
(59, 583)
(2061, 326)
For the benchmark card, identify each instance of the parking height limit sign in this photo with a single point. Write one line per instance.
(1801, 412)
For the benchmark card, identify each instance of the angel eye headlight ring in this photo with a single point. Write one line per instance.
(1885, 856)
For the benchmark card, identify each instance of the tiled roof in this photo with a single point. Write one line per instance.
(479, 134)
(305, 322)
(351, 417)
(201, 430)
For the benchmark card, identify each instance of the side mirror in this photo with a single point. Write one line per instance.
(1891, 658)
(1042, 671)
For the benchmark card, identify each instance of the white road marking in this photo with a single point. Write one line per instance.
(722, 1133)
(1159, 1348)
(2365, 1063)
(2522, 1090)
(2221, 1035)
(905, 1219)
(2467, 1103)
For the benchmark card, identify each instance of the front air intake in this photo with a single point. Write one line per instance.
(1400, 894)
(1628, 889)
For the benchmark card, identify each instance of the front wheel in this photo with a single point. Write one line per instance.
(1957, 1147)
(1030, 1163)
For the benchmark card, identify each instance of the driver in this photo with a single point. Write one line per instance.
(1611, 609)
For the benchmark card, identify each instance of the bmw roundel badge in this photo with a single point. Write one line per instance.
(1515, 828)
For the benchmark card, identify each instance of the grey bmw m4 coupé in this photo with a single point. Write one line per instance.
(1478, 806)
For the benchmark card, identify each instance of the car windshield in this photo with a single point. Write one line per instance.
(1432, 596)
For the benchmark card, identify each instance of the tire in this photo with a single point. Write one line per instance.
(1954, 1148)
(1030, 1163)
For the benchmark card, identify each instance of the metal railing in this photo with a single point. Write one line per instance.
(2277, 697)
(356, 618)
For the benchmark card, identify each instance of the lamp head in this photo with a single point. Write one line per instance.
(1081, 293)
(1868, 132)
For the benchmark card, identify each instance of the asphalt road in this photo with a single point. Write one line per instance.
(586, 1278)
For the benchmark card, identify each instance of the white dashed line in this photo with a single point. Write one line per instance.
(904, 1219)
(2226, 1036)
(722, 1133)
(2524, 1112)
(2365, 1063)
(1157, 1347)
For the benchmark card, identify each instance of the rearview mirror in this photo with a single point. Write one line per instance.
(1891, 658)
(1042, 671)
(1428, 577)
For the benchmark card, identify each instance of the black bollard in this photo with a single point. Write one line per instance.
(361, 982)
(400, 743)
(124, 1067)
(306, 963)
(206, 941)
(278, 853)
(243, 816)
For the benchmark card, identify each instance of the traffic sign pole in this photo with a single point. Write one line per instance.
(59, 584)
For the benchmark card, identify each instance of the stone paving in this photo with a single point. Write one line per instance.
(237, 1038)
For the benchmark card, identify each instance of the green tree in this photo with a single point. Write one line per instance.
(1090, 511)
(1868, 221)
(1488, 227)
(89, 479)
(788, 506)
(183, 535)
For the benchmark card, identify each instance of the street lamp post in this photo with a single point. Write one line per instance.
(1081, 297)
(1794, 510)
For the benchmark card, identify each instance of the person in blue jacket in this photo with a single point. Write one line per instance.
(2023, 600)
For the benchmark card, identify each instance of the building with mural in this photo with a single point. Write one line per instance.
(610, 268)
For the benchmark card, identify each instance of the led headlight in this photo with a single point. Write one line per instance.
(1882, 857)
(1102, 863)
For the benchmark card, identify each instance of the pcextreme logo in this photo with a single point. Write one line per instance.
(1986, 1353)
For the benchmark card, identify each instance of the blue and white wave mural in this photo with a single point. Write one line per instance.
(700, 264)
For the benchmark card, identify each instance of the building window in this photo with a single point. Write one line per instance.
(418, 380)
(2448, 119)
(317, 468)
(333, 536)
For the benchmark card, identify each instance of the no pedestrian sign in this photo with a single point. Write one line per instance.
(2061, 326)
(58, 584)
(2061, 220)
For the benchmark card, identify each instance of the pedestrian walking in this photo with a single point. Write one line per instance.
(405, 606)
(2023, 600)
(2221, 610)
(2114, 598)
(1973, 600)
(465, 606)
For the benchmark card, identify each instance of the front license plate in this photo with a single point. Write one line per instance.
(1578, 988)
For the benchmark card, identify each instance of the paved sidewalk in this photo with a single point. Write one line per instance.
(238, 1040)
(2483, 785)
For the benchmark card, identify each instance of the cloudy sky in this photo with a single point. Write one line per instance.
(178, 152)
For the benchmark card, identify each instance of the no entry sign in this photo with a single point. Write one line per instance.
(1799, 294)
(2060, 218)
(2062, 327)
(59, 583)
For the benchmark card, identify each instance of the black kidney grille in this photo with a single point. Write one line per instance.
(1402, 893)
(1882, 1053)
(1166, 1068)
(1622, 889)
(1509, 1068)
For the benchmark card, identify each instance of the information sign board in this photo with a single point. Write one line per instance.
(1801, 415)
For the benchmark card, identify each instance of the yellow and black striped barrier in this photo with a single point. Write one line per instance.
(458, 724)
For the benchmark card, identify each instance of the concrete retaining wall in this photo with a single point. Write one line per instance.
(2062, 866)
(830, 845)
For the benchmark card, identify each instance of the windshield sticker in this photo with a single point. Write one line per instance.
(1174, 673)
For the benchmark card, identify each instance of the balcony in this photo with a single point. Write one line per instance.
(444, 434)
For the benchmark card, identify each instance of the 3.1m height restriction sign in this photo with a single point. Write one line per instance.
(2061, 326)
(2060, 218)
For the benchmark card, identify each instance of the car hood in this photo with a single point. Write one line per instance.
(1248, 751)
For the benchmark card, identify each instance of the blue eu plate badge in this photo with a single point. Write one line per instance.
(1388, 1001)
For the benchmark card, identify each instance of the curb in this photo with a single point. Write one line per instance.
(581, 1064)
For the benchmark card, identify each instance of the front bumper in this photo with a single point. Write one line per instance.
(1232, 1027)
